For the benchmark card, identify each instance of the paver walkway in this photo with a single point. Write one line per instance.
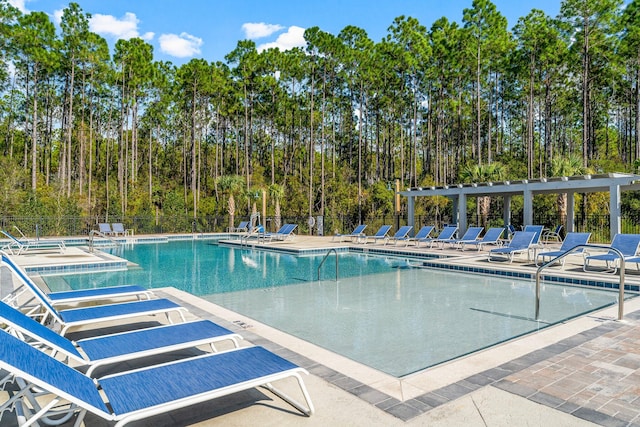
(597, 379)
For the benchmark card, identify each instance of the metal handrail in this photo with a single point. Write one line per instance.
(572, 250)
(100, 234)
(325, 258)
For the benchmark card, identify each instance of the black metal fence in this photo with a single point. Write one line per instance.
(598, 225)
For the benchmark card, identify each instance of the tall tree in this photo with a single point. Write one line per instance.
(593, 24)
(36, 43)
(487, 36)
(75, 30)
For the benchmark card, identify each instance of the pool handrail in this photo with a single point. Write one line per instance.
(572, 250)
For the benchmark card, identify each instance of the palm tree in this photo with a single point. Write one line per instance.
(231, 184)
(253, 195)
(276, 192)
(566, 166)
(483, 173)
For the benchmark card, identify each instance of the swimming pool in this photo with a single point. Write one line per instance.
(381, 312)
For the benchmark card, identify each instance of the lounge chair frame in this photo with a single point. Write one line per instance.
(571, 240)
(491, 237)
(381, 234)
(521, 242)
(136, 395)
(18, 246)
(103, 350)
(446, 234)
(356, 234)
(44, 310)
(422, 235)
(401, 234)
(627, 244)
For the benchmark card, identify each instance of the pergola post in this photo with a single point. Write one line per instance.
(410, 211)
(615, 210)
(506, 210)
(571, 212)
(527, 214)
(462, 214)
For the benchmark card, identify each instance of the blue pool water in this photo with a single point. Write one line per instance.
(381, 312)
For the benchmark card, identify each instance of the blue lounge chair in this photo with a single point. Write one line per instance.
(470, 236)
(65, 319)
(105, 228)
(18, 246)
(73, 296)
(401, 234)
(571, 241)
(537, 229)
(243, 226)
(446, 234)
(381, 234)
(421, 235)
(553, 234)
(491, 237)
(107, 349)
(521, 242)
(284, 233)
(136, 395)
(626, 243)
(356, 234)
(117, 228)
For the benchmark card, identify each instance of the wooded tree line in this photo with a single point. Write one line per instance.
(325, 128)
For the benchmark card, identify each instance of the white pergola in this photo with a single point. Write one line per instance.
(613, 183)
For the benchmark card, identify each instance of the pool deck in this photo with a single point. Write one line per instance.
(583, 372)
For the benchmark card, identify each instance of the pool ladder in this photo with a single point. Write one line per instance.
(325, 258)
(572, 250)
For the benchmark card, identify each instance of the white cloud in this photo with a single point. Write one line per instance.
(294, 37)
(148, 36)
(180, 46)
(57, 16)
(19, 4)
(109, 25)
(258, 30)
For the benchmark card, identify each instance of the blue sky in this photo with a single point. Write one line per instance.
(210, 29)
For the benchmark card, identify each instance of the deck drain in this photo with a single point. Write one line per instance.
(242, 324)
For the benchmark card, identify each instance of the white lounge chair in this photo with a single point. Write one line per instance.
(356, 234)
(18, 246)
(107, 349)
(445, 235)
(117, 229)
(521, 242)
(401, 234)
(243, 226)
(422, 235)
(139, 394)
(571, 240)
(284, 233)
(65, 319)
(73, 296)
(381, 234)
(627, 244)
(105, 228)
(491, 237)
(470, 236)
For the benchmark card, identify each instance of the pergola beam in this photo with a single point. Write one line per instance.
(614, 183)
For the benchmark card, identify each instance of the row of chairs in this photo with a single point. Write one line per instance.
(424, 235)
(528, 241)
(23, 244)
(286, 232)
(115, 229)
(34, 333)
